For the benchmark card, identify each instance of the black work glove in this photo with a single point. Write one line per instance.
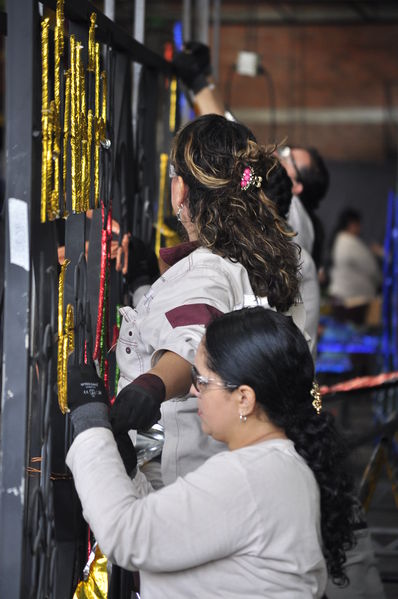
(192, 65)
(89, 407)
(87, 398)
(137, 406)
(127, 452)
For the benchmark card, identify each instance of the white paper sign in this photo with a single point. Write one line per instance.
(18, 232)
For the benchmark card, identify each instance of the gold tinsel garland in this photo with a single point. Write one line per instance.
(84, 128)
(72, 134)
(66, 341)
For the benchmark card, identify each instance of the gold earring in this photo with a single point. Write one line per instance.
(242, 418)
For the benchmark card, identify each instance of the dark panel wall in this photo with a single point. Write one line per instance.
(363, 186)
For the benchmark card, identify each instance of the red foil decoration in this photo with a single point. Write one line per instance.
(105, 260)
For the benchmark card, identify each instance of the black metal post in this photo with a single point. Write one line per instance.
(20, 88)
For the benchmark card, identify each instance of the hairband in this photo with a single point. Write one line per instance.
(316, 394)
(249, 178)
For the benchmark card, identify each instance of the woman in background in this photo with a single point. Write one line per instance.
(355, 275)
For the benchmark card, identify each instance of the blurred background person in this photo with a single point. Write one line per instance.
(355, 275)
(310, 182)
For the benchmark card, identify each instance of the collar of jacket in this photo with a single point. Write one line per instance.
(176, 253)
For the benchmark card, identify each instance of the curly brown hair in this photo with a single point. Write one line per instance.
(211, 154)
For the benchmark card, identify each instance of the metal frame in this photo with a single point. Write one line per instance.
(34, 560)
(20, 81)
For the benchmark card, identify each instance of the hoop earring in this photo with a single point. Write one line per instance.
(178, 215)
(242, 418)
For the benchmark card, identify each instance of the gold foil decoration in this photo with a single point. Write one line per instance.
(104, 96)
(83, 107)
(44, 117)
(173, 104)
(97, 124)
(53, 152)
(83, 149)
(49, 159)
(84, 199)
(97, 80)
(162, 189)
(68, 346)
(58, 52)
(66, 343)
(73, 120)
(88, 156)
(97, 133)
(59, 24)
(61, 284)
(56, 107)
(91, 44)
(96, 584)
(66, 135)
(78, 130)
(83, 130)
(77, 78)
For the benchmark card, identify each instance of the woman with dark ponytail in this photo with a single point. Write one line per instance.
(268, 353)
(266, 519)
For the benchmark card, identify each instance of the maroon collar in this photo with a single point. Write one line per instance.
(172, 255)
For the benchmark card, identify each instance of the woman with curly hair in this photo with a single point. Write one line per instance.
(268, 518)
(239, 252)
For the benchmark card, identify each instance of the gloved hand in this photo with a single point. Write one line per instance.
(192, 65)
(89, 407)
(137, 406)
(87, 398)
(127, 452)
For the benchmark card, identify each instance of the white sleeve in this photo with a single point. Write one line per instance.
(301, 224)
(310, 294)
(192, 301)
(203, 517)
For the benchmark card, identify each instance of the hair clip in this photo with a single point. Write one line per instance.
(316, 394)
(249, 178)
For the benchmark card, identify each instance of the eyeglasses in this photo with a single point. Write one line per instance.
(201, 383)
(172, 171)
(286, 152)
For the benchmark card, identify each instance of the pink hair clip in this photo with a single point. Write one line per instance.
(249, 178)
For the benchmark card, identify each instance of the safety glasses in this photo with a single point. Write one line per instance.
(284, 153)
(202, 383)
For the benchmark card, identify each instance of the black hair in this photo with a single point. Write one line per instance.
(315, 180)
(346, 217)
(211, 155)
(265, 350)
(278, 189)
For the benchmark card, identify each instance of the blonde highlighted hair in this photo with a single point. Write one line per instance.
(211, 154)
